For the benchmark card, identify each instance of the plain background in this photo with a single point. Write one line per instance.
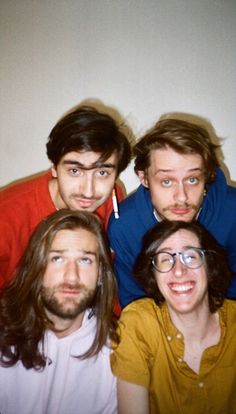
(141, 58)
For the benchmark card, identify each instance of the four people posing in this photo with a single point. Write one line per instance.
(56, 315)
(180, 180)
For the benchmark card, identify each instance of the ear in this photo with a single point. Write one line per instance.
(54, 171)
(143, 178)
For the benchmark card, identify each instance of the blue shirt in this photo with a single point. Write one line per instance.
(218, 215)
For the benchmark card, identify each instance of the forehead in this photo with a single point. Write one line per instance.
(179, 240)
(88, 158)
(75, 240)
(166, 159)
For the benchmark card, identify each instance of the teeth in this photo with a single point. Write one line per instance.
(181, 288)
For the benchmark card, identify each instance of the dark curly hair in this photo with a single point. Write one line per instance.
(86, 129)
(217, 267)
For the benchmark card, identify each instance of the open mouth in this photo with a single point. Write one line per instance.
(182, 288)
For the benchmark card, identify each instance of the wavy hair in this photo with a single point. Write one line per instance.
(23, 319)
(86, 129)
(183, 137)
(217, 267)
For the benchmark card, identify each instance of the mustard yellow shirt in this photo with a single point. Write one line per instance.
(151, 354)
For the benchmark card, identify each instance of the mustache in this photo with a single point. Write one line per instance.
(63, 286)
(70, 286)
(179, 206)
(85, 197)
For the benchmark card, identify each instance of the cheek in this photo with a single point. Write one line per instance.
(197, 195)
(64, 185)
(52, 276)
(159, 283)
(88, 277)
(105, 188)
(160, 197)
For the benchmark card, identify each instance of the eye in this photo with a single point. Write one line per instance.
(191, 256)
(103, 173)
(167, 182)
(74, 172)
(193, 180)
(164, 258)
(56, 259)
(86, 261)
(188, 258)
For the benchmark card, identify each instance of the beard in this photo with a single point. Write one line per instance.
(67, 307)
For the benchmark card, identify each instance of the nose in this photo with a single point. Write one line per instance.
(86, 185)
(179, 268)
(71, 274)
(180, 193)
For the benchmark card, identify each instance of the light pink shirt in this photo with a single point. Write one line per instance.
(67, 385)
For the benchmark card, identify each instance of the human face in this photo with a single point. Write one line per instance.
(81, 185)
(176, 182)
(185, 290)
(71, 276)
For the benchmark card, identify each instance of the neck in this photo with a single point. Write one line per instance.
(187, 323)
(64, 327)
(200, 331)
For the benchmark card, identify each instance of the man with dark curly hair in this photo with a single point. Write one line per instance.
(88, 150)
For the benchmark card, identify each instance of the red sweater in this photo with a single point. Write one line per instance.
(22, 207)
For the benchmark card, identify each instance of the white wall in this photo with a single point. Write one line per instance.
(143, 57)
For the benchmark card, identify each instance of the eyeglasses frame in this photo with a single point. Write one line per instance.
(203, 252)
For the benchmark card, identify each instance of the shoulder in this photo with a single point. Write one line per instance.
(14, 193)
(218, 208)
(132, 359)
(219, 191)
(229, 308)
(231, 194)
(140, 313)
(228, 320)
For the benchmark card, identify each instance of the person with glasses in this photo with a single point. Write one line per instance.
(177, 350)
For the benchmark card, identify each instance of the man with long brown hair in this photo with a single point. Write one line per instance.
(56, 321)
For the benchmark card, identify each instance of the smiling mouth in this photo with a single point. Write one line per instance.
(181, 288)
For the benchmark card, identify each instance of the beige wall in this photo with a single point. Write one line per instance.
(143, 57)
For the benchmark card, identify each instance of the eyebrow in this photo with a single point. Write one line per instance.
(89, 167)
(171, 170)
(65, 250)
(186, 247)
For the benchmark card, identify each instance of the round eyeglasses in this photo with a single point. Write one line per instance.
(192, 258)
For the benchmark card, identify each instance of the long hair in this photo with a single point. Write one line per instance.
(217, 267)
(183, 137)
(23, 319)
(86, 129)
